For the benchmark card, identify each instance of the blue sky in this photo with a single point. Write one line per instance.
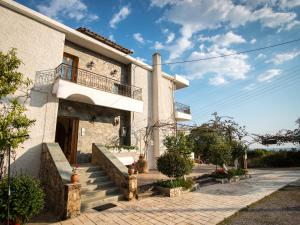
(260, 89)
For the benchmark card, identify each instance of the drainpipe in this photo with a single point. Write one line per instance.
(156, 80)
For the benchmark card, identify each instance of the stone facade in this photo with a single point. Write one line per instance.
(117, 172)
(96, 125)
(62, 197)
(102, 65)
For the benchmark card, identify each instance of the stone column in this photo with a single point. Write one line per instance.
(156, 94)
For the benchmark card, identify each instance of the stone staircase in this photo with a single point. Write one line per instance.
(96, 188)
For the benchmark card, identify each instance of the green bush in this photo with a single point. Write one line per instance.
(27, 198)
(181, 144)
(178, 182)
(174, 165)
(235, 172)
(265, 158)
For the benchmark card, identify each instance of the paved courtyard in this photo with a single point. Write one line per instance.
(208, 205)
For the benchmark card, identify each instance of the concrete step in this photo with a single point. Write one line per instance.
(87, 180)
(88, 169)
(94, 202)
(85, 195)
(94, 174)
(97, 185)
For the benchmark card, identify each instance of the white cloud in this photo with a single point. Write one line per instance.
(260, 56)
(217, 80)
(139, 37)
(170, 38)
(250, 87)
(225, 40)
(282, 57)
(119, 16)
(253, 41)
(268, 75)
(290, 4)
(111, 37)
(141, 59)
(71, 9)
(196, 15)
(158, 45)
(271, 19)
(230, 68)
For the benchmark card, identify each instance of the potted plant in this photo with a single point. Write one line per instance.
(74, 176)
(131, 169)
(142, 164)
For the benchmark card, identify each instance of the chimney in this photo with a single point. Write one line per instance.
(156, 80)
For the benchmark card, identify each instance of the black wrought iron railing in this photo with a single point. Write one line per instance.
(89, 79)
(179, 107)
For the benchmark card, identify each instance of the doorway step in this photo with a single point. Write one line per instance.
(96, 187)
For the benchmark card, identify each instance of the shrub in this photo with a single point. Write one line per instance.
(174, 165)
(219, 174)
(27, 198)
(235, 172)
(178, 182)
(265, 158)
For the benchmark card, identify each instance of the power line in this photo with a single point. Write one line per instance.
(261, 94)
(238, 94)
(232, 54)
(249, 96)
(242, 98)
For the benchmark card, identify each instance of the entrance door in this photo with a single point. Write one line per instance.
(70, 67)
(66, 136)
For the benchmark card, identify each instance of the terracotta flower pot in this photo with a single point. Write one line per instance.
(74, 178)
(131, 171)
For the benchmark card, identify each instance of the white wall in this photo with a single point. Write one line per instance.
(40, 48)
(143, 78)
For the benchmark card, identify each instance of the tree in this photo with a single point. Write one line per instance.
(180, 143)
(174, 165)
(220, 152)
(14, 123)
(281, 137)
(238, 149)
(209, 133)
(203, 137)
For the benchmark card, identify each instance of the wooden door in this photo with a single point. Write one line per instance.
(67, 137)
(73, 140)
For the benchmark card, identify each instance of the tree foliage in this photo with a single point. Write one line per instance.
(14, 123)
(281, 137)
(216, 135)
(220, 152)
(180, 143)
(174, 165)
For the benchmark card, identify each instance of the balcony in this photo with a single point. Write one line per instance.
(182, 112)
(85, 86)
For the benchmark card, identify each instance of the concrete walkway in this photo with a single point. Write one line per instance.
(208, 205)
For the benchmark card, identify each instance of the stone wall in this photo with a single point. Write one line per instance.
(117, 172)
(62, 197)
(96, 124)
(102, 64)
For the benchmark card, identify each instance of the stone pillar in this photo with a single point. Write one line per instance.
(156, 93)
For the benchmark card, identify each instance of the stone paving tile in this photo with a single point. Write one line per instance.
(208, 205)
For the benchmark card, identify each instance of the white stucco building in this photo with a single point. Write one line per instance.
(86, 89)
